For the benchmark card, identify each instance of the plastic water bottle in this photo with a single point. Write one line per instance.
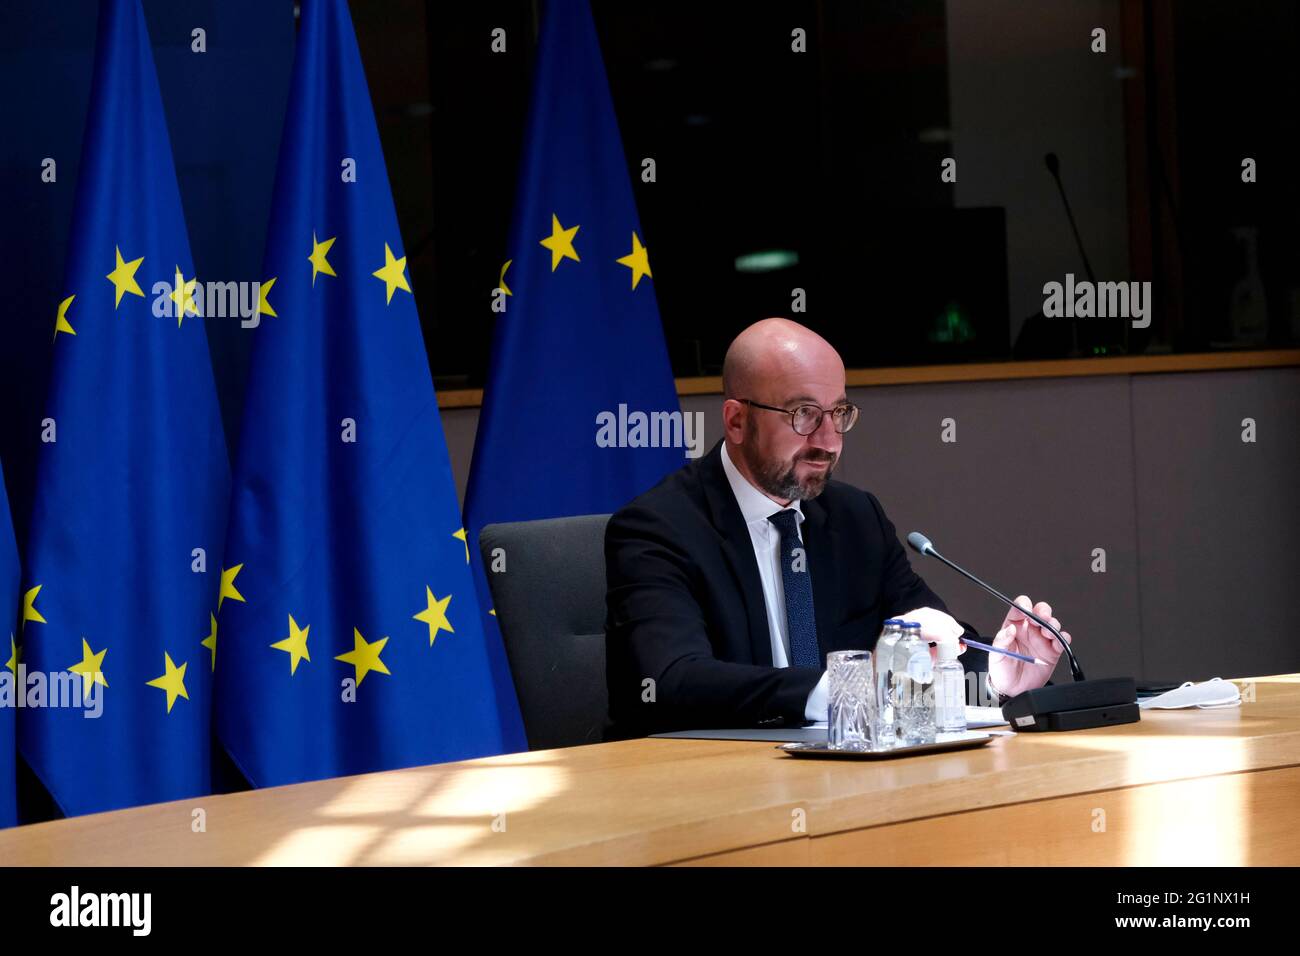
(914, 688)
(883, 659)
(949, 689)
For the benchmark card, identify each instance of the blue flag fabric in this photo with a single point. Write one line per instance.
(132, 474)
(350, 628)
(9, 579)
(580, 413)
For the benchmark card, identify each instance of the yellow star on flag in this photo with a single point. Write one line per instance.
(464, 540)
(61, 323)
(15, 655)
(29, 607)
(435, 615)
(501, 283)
(182, 297)
(228, 585)
(393, 273)
(172, 681)
(295, 645)
(364, 656)
(123, 278)
(317, 258)
(210, 642)
(560, 242)
(263, 306)
(637, 260)
(90, 667)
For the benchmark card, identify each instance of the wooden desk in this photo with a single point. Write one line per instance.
(1218, 787)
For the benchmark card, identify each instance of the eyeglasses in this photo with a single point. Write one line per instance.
(806, 419)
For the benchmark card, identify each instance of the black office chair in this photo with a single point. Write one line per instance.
(550, 605)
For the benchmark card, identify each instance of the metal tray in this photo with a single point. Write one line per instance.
(971, 738)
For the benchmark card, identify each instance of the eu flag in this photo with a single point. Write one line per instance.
(580, 413)
(132, 476)
(350, 629)
(9, 578)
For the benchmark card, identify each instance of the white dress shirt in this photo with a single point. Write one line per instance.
(755, 508)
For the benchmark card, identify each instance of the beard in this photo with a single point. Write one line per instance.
(780, 480)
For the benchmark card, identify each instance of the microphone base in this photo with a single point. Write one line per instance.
(1079, 706)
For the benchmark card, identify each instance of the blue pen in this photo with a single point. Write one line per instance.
(997, 650)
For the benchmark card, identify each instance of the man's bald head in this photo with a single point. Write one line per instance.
(779, 364)
(774, 348)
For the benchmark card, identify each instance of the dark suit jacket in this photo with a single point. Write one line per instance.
(685, 602)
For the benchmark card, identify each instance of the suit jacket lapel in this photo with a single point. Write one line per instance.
(739, 550)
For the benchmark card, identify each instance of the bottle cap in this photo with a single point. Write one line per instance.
(911, 625)
(948, 651)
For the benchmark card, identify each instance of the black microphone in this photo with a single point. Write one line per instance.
(1054, 167)
(1077, 706)
(923, 545)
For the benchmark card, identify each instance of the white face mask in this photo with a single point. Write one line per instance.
(1214, 692)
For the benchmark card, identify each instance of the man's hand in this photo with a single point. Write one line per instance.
(936, 626)
(1025, 636)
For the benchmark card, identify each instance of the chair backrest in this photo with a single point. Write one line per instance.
(550, 606)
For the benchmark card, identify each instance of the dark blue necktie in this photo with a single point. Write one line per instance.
(801, 624)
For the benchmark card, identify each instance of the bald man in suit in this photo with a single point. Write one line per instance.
(731, 580)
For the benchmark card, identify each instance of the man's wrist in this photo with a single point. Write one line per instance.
(994, 693)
